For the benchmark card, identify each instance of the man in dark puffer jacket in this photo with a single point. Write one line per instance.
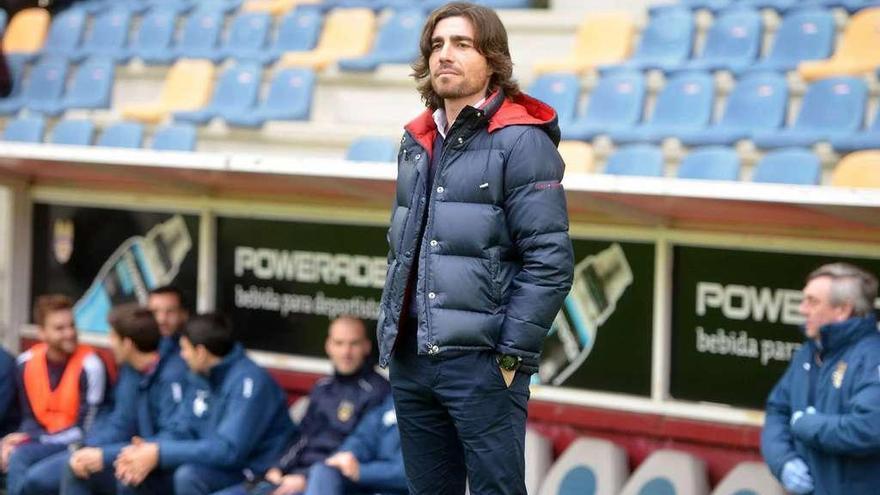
(479, 263)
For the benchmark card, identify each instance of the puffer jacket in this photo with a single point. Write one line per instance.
(840, 442)
(496, 260)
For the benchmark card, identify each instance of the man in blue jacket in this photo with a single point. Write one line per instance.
(149, 389)
(9, 412)
(232, 424)
(480, 259)
(822, 429)
(369, 461)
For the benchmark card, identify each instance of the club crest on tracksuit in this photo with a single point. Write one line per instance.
(837, 376)
(200, 403)
(345, 411)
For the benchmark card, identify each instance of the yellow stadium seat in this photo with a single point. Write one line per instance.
(26, 31)
(602, 38)
(578, 156)
(859, 169)
(347, 33)
(274, 7)
(187, 86)
(857, 54)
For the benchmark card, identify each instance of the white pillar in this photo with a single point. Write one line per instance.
(15, 262)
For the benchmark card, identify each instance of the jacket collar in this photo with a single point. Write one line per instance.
(497, 113)
(218, 373)
(837, 336)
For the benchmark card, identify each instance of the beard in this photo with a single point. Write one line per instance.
(465, 87)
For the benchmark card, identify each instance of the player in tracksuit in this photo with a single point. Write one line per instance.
(369, 461)
(822, 428)
(231, 426)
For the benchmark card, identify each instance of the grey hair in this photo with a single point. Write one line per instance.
(849, 285)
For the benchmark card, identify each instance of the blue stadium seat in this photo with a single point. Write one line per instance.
(77, 132)
(289, 98)
(154, 37)
(666, 41)
(13, 102)
(830, 108)
(122, 135)
(109, 36)
(175, 137)
(806, 34)
(65, 33)
(28, 129)
(636, 159)
(235, 94)
(92, 86)
(96, 6)
(732, 43)
(868, 139)
(396, 43)
(849, 5)
(45, 86)
(777, 5)
(201, 36)
(248, 37)
(615, 103)
(429, 5)
(789, 166)
(685, 104)
(298, 32)
(372, 149)
(710, 163)
(560, 91)
(758, 102)
(219, 5)
(178, 6)
(713, 5)
(3, 18)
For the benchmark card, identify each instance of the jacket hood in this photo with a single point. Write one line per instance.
(498, 112)
(839, 335)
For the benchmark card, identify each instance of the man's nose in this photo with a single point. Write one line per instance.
(445, 53)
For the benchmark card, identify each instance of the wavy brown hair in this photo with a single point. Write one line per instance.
(491, 42)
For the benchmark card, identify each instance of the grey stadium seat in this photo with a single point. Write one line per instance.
(668, 472)
(589, 466)
(749, 478)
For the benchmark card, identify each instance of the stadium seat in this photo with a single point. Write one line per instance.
(153, 40)
(710, 163)
(109, 36)
(603, 38)
(3, 19)
(176, 6)
(806, 34)
(732, 43)
(668, 472)
(713, 5)
(298, 31)
(175, 137)
(539, 458)
(757, 102)
(25, 33)
(396, 43)
(122, 135)
(372, 149)
(614, 104)
(789, 166)
(561, 91)
(274, 7)
(187, 87)
(777, 5)
(92, 86)
(45, 86)
(248, 37)
(78, 132)
(289, 98)
(347, 33)
(666, 41)
(850, 5)
(65, 33)
(201, 36)
(578, 156)
(831, 107)
(684, 104)
(236, 93)
(861, 140)
(857, 53)
(636, 159)
(225, 6)
(749, 478)
(859, 169)
(13, 102)
(589, 466)
(28, 129)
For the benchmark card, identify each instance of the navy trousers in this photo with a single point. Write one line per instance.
(27, 471)
(459, 422)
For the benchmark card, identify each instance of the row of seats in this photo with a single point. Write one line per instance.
(81, 132)
(303, 37)
(778, 5)
(804, 41)
(275, 6)
(832, 110)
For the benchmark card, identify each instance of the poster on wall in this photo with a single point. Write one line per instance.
(601, 339)
(102, 257)
(736, 322)
(282, 282)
